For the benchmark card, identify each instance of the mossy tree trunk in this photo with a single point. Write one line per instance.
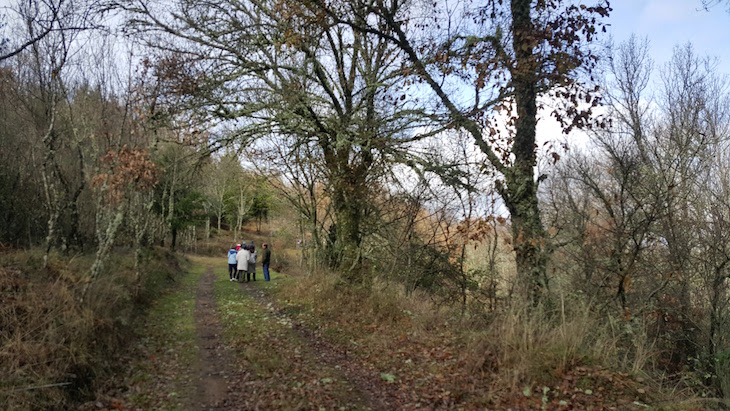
(525, 49)
(528, 233)
(350, 196)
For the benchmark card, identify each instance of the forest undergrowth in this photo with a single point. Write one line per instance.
(436, 359)
(301, 342)
(440, 359)
(310, 342)
(55, 346)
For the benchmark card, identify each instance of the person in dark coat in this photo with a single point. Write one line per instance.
(265, 260)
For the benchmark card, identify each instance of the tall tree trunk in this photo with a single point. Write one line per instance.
(348, 203)
(141, 228)
(162, 226)
(240, 212)
(52, 220)
(74, 234)
(174, 238)
(171, 203)
(106, 235)
(49, 182)
(528, 234)
(531, 253)
(715, 316)
(107, 226)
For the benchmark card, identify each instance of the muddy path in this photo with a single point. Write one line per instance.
(217, 388)
(368, 387)
(214, 345)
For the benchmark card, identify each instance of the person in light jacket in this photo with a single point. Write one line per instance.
(232, 262)
(242, 258)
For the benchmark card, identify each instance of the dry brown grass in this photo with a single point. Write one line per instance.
(515, 347)
(383, 303)
(529, 345)
(53, 347)
(217, 245)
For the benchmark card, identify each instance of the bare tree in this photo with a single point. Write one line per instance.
(708, 4)
(714, 262)
(218, 177)
(295, 171)
(45, 16)
(286, 71)
(643, 216)
(46, 67)
(126, 172)
(509, 56)
(242, 200)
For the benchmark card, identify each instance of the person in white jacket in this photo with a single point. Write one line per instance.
(242, 258)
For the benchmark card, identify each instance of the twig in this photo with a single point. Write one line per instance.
(59, 384)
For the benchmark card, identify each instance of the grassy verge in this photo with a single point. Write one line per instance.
(55, 348)
(283, 371)
(162, 363)
(445, 360)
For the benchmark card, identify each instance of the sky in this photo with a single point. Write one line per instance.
(668, 23)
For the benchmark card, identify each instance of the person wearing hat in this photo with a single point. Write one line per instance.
(232, 262)
(265, 260)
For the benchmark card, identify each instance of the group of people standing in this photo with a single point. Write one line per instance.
(242, 261)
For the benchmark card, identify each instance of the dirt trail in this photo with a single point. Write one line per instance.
(369, 388)
(221, 385)
(216, 389)
(297, 370)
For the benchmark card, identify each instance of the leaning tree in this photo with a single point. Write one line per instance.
(491, 68)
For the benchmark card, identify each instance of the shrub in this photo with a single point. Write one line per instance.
(55, 347)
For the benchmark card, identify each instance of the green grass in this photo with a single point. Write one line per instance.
(278, 280)
(168, 342)
(246, 325)
(286, 374)
(173, 315)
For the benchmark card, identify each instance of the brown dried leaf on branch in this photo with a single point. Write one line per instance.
(126, 170)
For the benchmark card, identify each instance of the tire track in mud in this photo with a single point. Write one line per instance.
(367, 385)
(217, 389)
